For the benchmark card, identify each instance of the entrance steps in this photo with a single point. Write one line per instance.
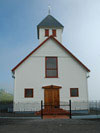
(53, 111)
(55, 117)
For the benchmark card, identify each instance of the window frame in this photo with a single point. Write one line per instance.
(51, 68)
(77, 92)
(54, 33)
(25, 93)
(46, 32)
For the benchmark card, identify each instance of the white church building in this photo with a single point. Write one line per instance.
(50, 72)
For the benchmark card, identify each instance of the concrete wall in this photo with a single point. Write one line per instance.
(31, 74)
(42, 34)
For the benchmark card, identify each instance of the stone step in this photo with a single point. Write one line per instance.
(54, 111)
(55, 117)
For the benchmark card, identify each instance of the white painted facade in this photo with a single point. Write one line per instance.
(42, 36)
(31, 74)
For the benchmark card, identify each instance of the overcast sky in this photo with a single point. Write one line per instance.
(18, 34)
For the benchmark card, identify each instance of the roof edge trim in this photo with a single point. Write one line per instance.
(41, 45)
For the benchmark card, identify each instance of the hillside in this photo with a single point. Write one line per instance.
(4, 96)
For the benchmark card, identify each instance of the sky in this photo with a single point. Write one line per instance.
(81, 35)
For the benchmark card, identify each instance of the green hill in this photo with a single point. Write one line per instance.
(4, 96)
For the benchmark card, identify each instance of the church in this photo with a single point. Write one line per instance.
(50, 72)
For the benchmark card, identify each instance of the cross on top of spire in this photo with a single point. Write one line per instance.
(49, 10)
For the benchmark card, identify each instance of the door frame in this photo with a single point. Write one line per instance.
(52, 87)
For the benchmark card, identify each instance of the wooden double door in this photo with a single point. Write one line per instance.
(51, 98)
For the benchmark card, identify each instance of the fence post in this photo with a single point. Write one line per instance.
(41, 109)
(96, 108)
(70, 109)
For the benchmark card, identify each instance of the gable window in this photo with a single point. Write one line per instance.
(51, 67)
(54, 32)
(74, 92)
(28, 93)
(46, 32)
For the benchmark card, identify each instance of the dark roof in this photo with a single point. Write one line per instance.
(49, 22)
(58, 44)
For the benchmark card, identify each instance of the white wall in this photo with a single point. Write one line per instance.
(42, 34)
(31, 74)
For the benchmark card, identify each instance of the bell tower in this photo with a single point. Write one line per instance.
(49, 26)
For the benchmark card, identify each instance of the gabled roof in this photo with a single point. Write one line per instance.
(49, 22)
(58, 44)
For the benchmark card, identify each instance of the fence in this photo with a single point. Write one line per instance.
(6, 106)
(86, 108)
(75, 108)
(94, 107)
(49, 109)
(23, 109)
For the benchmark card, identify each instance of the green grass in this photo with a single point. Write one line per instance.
(4, 96)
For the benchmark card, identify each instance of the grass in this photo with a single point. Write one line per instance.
(4, 96)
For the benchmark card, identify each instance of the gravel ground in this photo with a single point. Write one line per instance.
(49, 126)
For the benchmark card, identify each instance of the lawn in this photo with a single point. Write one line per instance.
(5, 96)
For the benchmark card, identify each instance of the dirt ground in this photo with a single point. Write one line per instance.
(49, 126)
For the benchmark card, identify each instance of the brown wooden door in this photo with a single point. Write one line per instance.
(51, 97)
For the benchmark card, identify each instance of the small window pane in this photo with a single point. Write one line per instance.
(54, 32)
(51, 62)
(74, 91)
(46, 32)
(51, 73)
(28, 92)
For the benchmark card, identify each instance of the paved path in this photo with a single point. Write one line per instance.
(49, 126)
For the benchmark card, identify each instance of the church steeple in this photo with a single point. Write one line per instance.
(49, 10)
(49, 26)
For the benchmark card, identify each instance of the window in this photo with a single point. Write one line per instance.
(46, 32)
(51, 67)
(28, 93)
(74, 92)
(54, 32)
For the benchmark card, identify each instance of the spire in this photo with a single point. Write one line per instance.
(49, 10)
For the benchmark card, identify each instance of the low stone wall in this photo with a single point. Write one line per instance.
(27, 106)
(82, 105)
(36, 106)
